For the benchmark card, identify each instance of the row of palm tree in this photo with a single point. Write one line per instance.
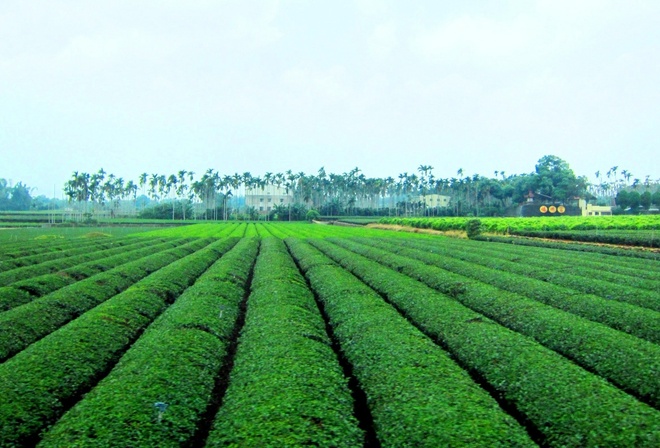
(613, 181)
(348, 193)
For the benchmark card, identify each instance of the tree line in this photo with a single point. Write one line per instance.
(351, 193)
(16, 197)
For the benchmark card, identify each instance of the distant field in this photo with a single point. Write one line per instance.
(510, 225)
(26, 233)
(297, 334)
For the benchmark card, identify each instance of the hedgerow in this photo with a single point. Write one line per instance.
(625, 360)
(41, 382)
(160, 390)
(286, 387)
(566, 404)
(640, 322)
(23, 325)
(416, 393)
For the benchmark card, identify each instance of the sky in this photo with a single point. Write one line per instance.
(158, 86)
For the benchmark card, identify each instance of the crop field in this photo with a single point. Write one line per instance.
(296, 334)
(512, 225)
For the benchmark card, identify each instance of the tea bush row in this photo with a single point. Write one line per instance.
(566, 404)
(39, 384)
(159, 391)
(417, 395)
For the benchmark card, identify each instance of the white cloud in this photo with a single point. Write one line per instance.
(476, 39)
(382, 40)
(311, 87)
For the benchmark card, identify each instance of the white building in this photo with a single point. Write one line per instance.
(265, 199)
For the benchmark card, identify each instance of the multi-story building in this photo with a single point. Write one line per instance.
(265, 199)
(435, 200)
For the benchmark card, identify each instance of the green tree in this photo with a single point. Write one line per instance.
(623, 199)
(20, 198)
(556, 181)
(655, 198)
(645, 199)
(634, 200)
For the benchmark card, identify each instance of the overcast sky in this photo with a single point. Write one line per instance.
(161, 85)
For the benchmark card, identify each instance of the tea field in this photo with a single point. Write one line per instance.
(296, 334)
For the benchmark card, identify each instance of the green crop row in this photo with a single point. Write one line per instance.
(39, 384)
(159, 391)
(644, 238)
(506, 225)
(199, 230)
(251, 230)
(640, 322)
(640, 268)
(586, 280)
(24, 291)
(642, 275)
(576, 247)
(10, 249)
(571, 277)
(25, 253)
(105, 249)
(23, 325)
(627, 361)
(286, 387)
(566, 404)
(418, 396)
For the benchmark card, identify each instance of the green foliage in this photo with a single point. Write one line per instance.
(23, 268)
(27, 323)
(555, 180)
(643, 238)
(21, 292)
(473, 228)
(287, 387)
(164, 211)
(416, 393)
(573, 247)
(175, 363)
(568, 405)
(513, 225)
(36, 383)
(14, 198)
(312, 215)
(503, 269)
